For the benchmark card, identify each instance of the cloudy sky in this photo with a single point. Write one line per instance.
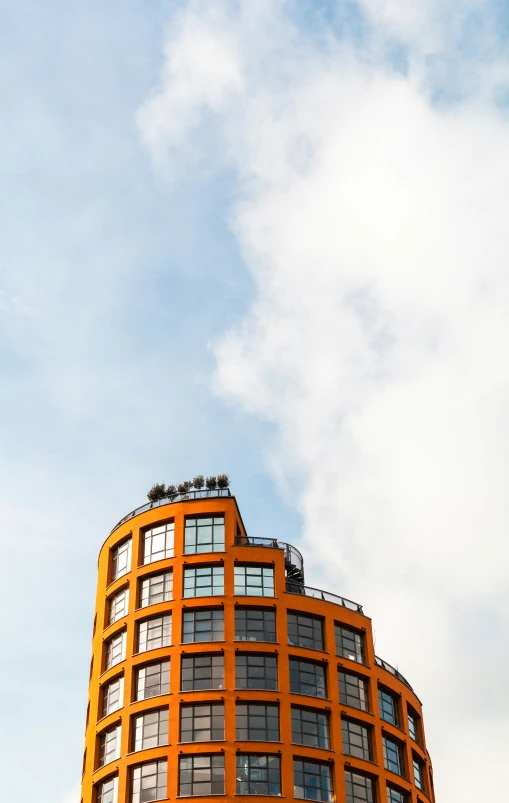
(268, 238)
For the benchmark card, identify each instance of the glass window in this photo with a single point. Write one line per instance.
(154, 633)
(393, 756)
(156, 588)
(202, 672)
(413, 724)
(254, 581)
(203, 624)
(201, 775)
(307, 677)
(418, 773)
(305, 631)
(312, 779)
(258, 775)
(152, 680)
(113, 696)
(107, 791)
(389, 706)
(204, 535)
(257, 722)
(115, 649)
(202, 722)
(109, 745)
(255, 624)
(310, 726)
(356, 739)
(203, 581)
(256, 671)
(349, 643)
(353, 690)
(359, 788)
(118, 606)
(396, 795)
(121, 560)
(158, 542)
(149, 781)
(150, 729)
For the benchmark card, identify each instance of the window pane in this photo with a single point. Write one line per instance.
(305, 631)
(349, 643)
(258, 774)
(152, 680)
(257, 722)
(202, 722)
(154, 633)
(109, 745)
(353, 690)
(356, 739)
(115, 649)
(121, 560)
(107, 791)
(256, 671)
(393, 755)
(203, 581)
(158, 543)
(113, 694)
(254, 581)
(203, 625)
(396, 796)
(118, 606)
(310, 727)
(255, 624)
(156, 588)
(201, 775)
(389, 706)
(359, 788)
(307, 677)
(202, 672)
(418, 773)
(150, 729)
(204, 535)
(312, 780)
(149, 782)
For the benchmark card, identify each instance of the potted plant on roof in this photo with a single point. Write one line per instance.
(199, 482)
(211, 484)
(223, 481)
(171, 491)
(184, 488)
(157, 492)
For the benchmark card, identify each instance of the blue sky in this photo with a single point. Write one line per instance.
(286, 259)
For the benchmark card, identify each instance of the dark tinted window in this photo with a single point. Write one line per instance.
(256, 671)
(255, 624)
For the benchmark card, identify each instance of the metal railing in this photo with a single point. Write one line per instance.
(184, 497)
(317, 593)
(292, 555)
(392, 670)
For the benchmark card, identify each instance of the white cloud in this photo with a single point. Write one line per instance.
(374, 227)
(201, 72)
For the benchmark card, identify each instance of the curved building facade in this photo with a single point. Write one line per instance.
(217, 672)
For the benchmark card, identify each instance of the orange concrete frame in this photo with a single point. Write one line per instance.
(282, 602)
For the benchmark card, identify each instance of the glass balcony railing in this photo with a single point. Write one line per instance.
(392, 670)
(292, 555)
(178, 497)
(317, 593)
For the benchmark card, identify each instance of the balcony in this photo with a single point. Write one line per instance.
(167, 500)
(388, 668)
(316, 593)
(294, 562)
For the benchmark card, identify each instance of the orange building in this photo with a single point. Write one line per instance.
(216, 671)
